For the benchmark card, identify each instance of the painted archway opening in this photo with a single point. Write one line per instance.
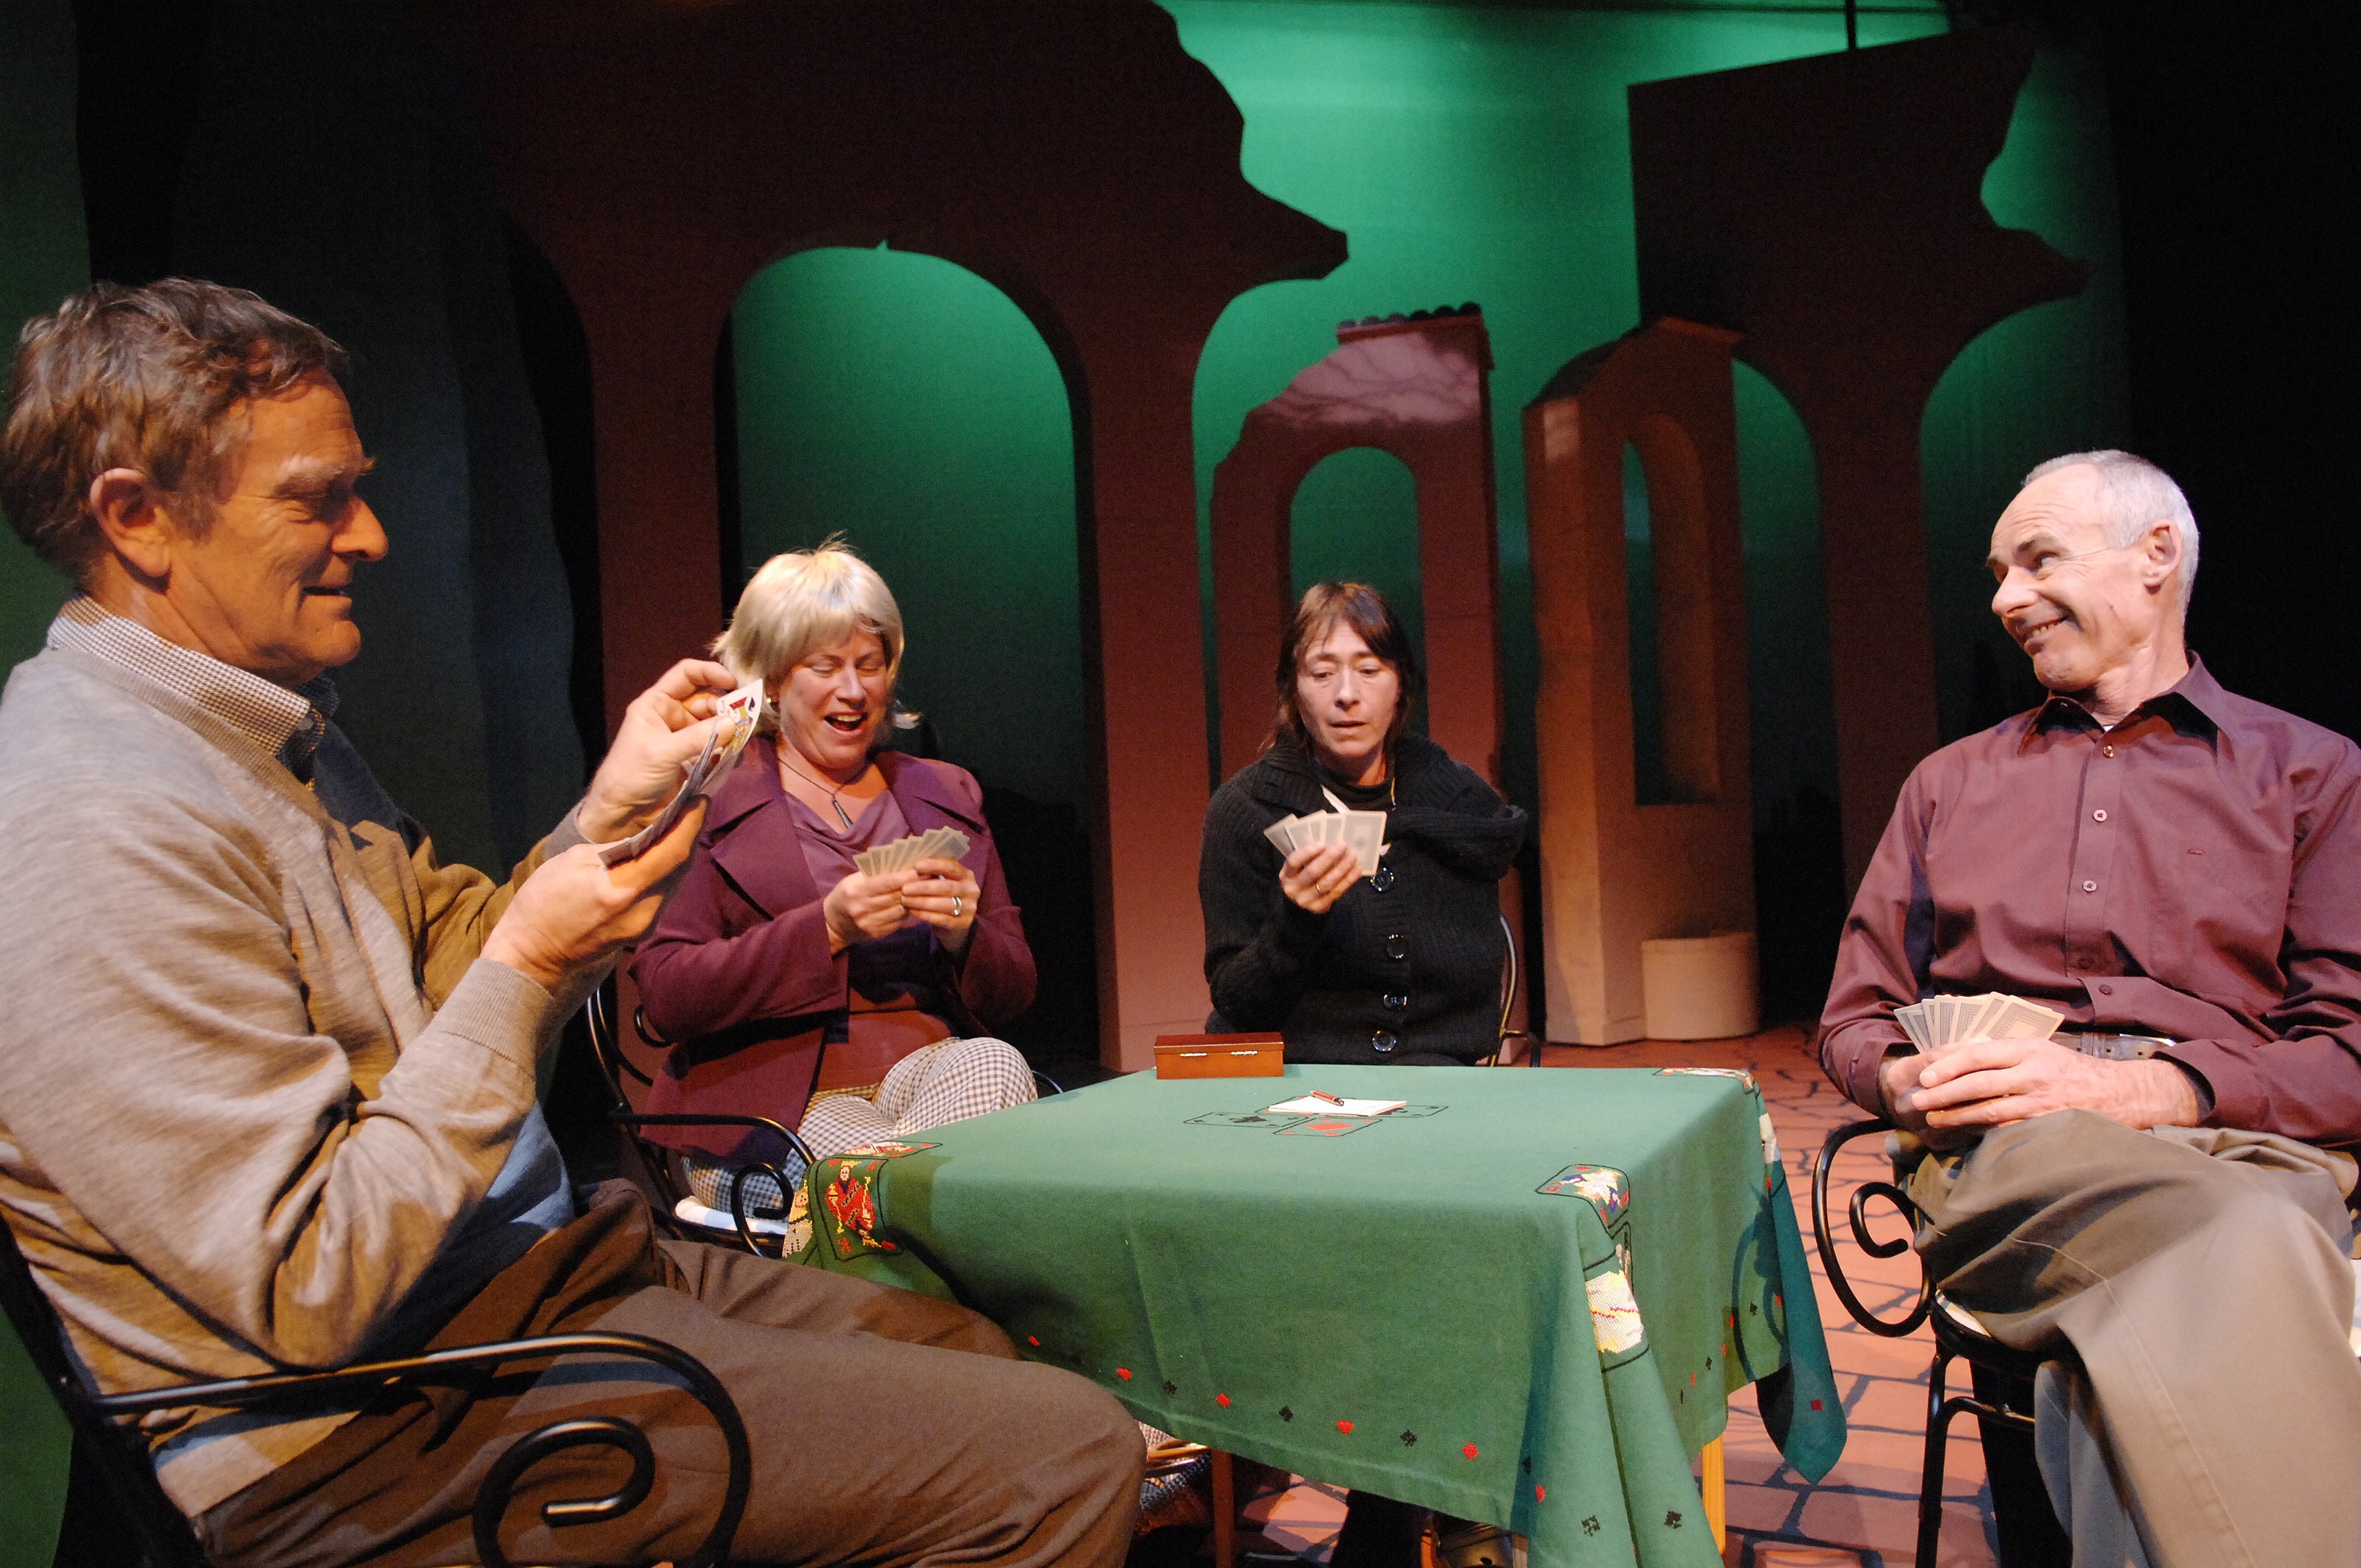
(905, 402)
(1355, 517)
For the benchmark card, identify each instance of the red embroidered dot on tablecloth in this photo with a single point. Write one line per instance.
(1346, 1427)
(1469, 1450)
(1816, 1404)
(1692, 1379)
(1540, 1494)
(1031, 1340)
(1124, 1373)
(1223, 1400)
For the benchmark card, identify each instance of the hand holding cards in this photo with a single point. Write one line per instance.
(1363, 832)
(1939, 1022)
(935, 843)
(737, 716)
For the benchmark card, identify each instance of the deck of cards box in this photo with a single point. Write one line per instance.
(1220, 1056)
(1939, 1022)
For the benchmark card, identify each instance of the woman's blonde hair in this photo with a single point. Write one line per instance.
(807, 599)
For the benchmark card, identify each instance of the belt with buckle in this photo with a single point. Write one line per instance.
(2109, 1045)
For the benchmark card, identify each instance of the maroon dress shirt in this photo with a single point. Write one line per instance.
(2193, 872)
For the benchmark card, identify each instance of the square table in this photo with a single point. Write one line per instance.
(1523, 1299)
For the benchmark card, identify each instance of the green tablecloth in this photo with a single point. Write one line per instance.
(1432, 1305)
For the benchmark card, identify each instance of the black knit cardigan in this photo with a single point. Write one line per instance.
(1407, 964)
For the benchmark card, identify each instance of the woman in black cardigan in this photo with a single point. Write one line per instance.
(1400, 966)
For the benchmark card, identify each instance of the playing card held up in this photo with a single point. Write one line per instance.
(740, 713)
(1363, 832)
(1938, 1023)
(935, 843)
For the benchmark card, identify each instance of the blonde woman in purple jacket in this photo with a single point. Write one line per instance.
(849, 1005)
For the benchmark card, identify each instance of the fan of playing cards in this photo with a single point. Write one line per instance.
(1363, 832)
(941, 843)
(1939, 1022)
(740, 712)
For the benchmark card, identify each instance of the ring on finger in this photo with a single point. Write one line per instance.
(958, 907)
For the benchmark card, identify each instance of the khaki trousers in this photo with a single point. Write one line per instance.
(886, 1428)
(2199, 1280)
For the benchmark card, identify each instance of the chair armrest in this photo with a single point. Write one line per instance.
(1821, 1232)
(492, 1501)
(737, 1179)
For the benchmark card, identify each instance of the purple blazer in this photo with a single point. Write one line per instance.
(737, 969)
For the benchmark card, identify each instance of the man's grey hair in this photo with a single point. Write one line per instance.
(2135, 495)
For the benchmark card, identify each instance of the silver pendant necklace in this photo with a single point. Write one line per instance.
(837, 805)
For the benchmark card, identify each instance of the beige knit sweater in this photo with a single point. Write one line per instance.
(261, 1107)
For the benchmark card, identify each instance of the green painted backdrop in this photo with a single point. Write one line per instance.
(1469, 153)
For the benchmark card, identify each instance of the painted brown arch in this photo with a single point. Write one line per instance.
(1830, 209)
(1417, 389)
(1615, 873)
(1074, 156)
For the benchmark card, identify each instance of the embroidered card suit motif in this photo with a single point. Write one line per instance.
(887, 1149)
(1605, 1188)
(1329, 1126)
(1614, 1315)
(850, 1197)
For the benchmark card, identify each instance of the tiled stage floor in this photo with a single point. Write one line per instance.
(1870, 1499)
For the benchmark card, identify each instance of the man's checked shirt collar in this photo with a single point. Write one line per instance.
(290, 724)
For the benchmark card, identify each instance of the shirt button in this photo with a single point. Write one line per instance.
(2090, 887)
(1397, 946)
(2098, 817)
(2106, 751)
(1383, 1040)
(1384, 880)
(1396, 1001)
(2106, 990)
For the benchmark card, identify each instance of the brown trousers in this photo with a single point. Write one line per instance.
(2200, 1278)
(886, 1428)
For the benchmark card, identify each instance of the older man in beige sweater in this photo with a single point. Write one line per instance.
(268, 1067)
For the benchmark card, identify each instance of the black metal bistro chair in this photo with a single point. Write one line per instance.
(115, 1480)
(764, 1235)
(2001, 1395)
(1512, 1042)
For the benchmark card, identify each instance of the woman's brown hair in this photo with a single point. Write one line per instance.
(1362, 607)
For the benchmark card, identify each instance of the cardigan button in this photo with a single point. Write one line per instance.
(1383, 1040)
(1383, 881)
(1397, 946)
(1395, 1000)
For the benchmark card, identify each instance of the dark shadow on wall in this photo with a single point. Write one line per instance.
(557, 370)
(1046, 857)
(320, 157)
(1799, 898)
(131, 136)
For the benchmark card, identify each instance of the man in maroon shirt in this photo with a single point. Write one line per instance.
(2160, 1193)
